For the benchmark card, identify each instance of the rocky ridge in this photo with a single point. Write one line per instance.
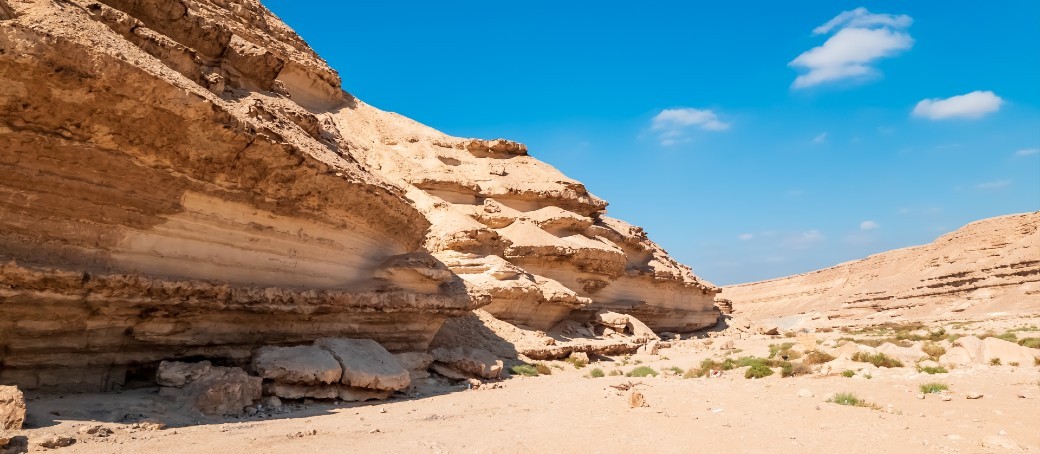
(187, 179)
(988, 267)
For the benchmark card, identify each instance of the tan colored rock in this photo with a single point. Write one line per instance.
(279, 210)
(416, 363)
(12, 408)
(995, 350)
(366, 364)
(476, 362)
(956, 356)
(298, 391)
(906, 355)
(217, 391)
(352, 394)
(305, 365)
(178, 374)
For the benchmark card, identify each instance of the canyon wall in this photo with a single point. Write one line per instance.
(188, 179)
(989, 267)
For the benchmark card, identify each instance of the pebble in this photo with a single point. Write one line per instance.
(920, 396)
(805, 393)
(974, 395)
(946, 398)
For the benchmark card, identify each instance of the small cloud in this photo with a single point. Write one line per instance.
(745, 236)
(672, 124)
(861, 39)
(804, 240)
(869, 225)
(821, 138)
(1027, 152)
(974, 105)
(999, 184)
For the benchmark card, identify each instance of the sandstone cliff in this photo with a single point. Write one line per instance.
(187, 179)
(986, 267)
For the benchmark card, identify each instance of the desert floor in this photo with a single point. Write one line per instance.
(570, 412)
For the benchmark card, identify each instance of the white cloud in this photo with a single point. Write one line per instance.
(861, 38)
(821, 138)
(869, 225)
(861, 18)
(672, 124)
(972, 105)
(1026, 152)
(804, 240)
(999, 184)
(745, 236)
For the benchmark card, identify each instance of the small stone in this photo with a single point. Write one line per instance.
(805, 393)
(637, 400)
(1000, 441)
(52, 441)
(382, 410)
(250, 410)
(920, 395)
(272, 402)
(946, 398)
(974, 395)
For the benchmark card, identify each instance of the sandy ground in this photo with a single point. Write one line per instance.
(569, 412)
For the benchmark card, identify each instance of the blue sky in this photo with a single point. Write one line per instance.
(752, 140)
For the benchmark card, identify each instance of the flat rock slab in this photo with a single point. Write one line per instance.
(306, 364)
(473, 361)
(366, 364)
(12, 408)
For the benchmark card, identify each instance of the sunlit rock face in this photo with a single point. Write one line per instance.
(187, 179)
(990, 266)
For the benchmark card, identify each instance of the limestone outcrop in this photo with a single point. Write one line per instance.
(12, 408)
(188, 179)
(989, 266)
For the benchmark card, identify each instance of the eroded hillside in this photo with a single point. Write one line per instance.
(990, 267)
(187, 179)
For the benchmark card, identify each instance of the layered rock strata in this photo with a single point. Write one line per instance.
(990, 266)
(188, 179)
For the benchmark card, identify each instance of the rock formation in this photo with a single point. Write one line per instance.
(989, 266)
(188, 179)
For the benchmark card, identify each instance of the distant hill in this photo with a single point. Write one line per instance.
(990, 266)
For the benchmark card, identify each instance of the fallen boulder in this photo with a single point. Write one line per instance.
(366, 364)
(416, 363)
(12, 408)
(472, 361)
(305, 364)
(215, 391)
(178, 374)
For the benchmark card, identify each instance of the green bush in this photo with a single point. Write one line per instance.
(758, 371)
(817, 357)
(526, 370)
(1031, 342)
(641, 371)
(932, 370)
(596, 373)
(847, 373)
(878, 359)
(577, 363)
(543, 369)
(934, 387)
(615, 373)
(933, 350)
(850, 400)
(994, 362)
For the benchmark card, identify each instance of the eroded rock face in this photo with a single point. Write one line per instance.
(188, 179)
(12, 408)
(988, 266)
